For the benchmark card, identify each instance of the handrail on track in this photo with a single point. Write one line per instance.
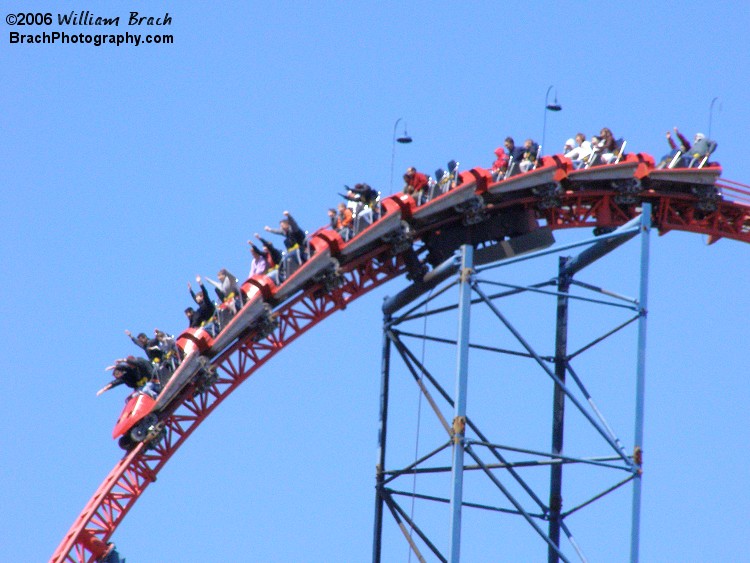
(734, 191)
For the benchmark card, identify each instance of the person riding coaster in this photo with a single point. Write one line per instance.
(136, 373)
(139, 375)
(139, 419)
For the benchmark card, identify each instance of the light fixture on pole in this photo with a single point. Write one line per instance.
(405, 139)
(548, 107)
(711, 115)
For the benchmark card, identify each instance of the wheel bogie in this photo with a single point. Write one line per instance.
(140, 431)
(126, 443)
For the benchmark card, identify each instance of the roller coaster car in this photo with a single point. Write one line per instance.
(624, 177)
(597, 155)
(444, 180)
(135, 419)
(633, 167)
(392, 211)
(139, 420)
(459, 199)
(683, 179)
(258, 291)
(549, 173)
(316, 264)
(696, 157)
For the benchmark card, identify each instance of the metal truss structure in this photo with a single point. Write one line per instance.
(466, 446)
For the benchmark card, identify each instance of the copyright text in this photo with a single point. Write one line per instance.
(83, 19)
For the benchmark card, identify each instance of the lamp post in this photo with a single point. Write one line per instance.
(404, 140)
(711, 115)
(548, 107)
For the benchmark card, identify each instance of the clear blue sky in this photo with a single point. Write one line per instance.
(129, 170)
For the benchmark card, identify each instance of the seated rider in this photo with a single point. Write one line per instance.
(530, 155)
(607, 146)
(500, 165)
(294, 240)
(228, 290)
(171, 356)
(683, 148)
(136, 373)
(149, 345)
(273, 258)
(259, 265)
(515, 156)
(166, 342)
(342, 221)
(333, 220)
(702, 147)
(155, 353)
(365, 198)
(687, 152)
(203, 316)
(415, 184)
(362, 193)
(580, 152)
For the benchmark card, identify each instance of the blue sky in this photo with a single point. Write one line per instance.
(129, 170)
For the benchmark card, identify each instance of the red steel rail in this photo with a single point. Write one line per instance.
(728, 217)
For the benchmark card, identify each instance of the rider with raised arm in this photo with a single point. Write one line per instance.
(294, 240)
(203, 316)
(273, 258)
(148, 345)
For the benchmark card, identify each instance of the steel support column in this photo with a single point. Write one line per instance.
(382, 430)
(459, 421)
(472, 446)
(558, 408)
(640, 382)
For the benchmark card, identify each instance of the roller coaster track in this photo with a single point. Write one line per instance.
(717, 209)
